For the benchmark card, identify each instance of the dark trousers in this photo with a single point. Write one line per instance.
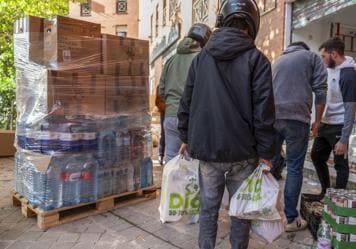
(162, 140)
(327, 138)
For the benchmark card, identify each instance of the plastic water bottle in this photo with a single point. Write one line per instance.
(32, 140)
(49, 136)
(69, 142)
(107, 152)
(120, 180)
(71, 175)
(123, 142)
(88, 181)
(49, 141)
(54, 187)
(18, 174)
(104, 182)
(38, 189)
(130, 177)
(86, 130)
(137, 144)
(21, 135)
(146, 172)
(324, 236)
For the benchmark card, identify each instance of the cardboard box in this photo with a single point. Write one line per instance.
(127, 86)
(126, 104)
(28, 31)
(73, 93)
(125, 56)
(7, 139)
(71, 44)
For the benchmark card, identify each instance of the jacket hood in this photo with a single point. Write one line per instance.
(293, 48)
(349, 62)
(228, 43)
(188, 46)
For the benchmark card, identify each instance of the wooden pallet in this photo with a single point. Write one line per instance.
(48, 219)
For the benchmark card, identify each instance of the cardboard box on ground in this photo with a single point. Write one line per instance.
(87, 72)
(7, 139)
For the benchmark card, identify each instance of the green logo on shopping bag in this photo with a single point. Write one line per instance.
(251, 191)
(187, 203)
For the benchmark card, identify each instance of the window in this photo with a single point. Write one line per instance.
(164, 15)
(121, 30)
(266, 5)
(157, 18)
(85, 8)
(121, 6)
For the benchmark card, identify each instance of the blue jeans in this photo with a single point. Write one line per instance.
(213, 177)
(173, 141)
(296, 135)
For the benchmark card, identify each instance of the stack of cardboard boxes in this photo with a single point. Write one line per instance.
(82, 101)
(87, 72)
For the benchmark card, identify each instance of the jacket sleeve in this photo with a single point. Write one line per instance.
(319, 82)
(162, 81)
(184, 106)
(158, 101)
(263, 107)
(348, 91)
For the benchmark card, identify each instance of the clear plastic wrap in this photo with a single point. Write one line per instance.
(83, 127)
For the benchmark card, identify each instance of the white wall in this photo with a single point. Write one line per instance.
(315, 33)
(144, 16)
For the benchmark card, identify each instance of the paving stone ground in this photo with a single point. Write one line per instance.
(136, 227)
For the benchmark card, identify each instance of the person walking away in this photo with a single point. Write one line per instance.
(161, 109)
(173, 80)
(336, 127)
(297, 74)
(226, 115)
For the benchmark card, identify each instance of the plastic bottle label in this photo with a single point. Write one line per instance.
(324, 243)
(66, 136)
(86, 176)
(89, 136)
(70, 177)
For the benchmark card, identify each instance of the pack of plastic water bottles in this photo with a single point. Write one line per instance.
(83, 126)
(63, 162)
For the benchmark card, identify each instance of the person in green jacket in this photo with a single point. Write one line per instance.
(172, 83)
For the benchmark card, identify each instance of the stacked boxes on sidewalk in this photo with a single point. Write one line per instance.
(340, 213)
(83, 127)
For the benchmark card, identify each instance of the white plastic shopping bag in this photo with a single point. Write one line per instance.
(270, 230)
(179, 190)
(256, 199)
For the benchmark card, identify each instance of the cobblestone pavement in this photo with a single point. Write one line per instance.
(135, 226)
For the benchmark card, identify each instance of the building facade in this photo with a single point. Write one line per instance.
(170, 20)
(117, 17)
(165, 22)
(282, 22)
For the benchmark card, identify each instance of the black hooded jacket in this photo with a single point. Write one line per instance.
(226, 113)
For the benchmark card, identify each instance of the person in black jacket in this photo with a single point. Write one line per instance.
(226, 115)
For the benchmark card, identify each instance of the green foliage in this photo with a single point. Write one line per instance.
(10, 11)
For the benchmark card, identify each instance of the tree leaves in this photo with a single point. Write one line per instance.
(10, 11)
